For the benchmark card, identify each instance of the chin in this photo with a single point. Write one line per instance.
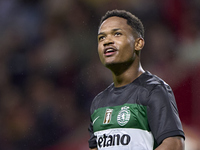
(111, 65)
(110, 62)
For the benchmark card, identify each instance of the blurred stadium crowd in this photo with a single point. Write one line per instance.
(50, 70)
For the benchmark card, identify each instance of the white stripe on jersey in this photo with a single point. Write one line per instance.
(124, 139)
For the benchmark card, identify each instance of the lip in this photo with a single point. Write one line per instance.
(109, 51)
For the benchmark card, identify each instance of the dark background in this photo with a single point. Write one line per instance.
(50, 70)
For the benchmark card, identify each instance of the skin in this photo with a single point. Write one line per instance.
(124, 62)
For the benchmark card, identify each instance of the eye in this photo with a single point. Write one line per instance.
(117, 34)
(101, 38)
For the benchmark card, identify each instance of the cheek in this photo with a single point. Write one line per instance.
(130, 43)
(127, 50)
(127, 46)
(100, 52)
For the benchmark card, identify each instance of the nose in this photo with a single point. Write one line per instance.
(108, 41)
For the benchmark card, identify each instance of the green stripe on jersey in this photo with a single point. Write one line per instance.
(122, 116)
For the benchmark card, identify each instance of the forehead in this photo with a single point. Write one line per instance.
(114, 23)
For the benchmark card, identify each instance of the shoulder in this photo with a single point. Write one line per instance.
(149, 81)
(97, 100)
(151, 84)
(158, 93)
(162, 110)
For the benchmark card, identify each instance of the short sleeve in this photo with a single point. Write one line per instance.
(163, 114)
(92, 141)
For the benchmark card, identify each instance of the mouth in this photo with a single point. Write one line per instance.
(109, 51)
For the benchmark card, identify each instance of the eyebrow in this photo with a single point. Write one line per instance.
(113, 30)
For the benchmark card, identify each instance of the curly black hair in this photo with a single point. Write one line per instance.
(132, 20)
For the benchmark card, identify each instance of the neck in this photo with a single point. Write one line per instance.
(127, 75)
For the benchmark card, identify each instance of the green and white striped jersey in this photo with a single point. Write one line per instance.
(138, 116)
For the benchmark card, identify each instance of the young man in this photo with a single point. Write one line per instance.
(138, 110)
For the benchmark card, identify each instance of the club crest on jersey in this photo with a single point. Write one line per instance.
(108, 115)
(123, 116)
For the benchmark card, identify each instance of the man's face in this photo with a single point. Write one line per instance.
(115, 41)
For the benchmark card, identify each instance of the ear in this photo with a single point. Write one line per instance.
(139, 44)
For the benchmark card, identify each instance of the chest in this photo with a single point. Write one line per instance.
(126, 115)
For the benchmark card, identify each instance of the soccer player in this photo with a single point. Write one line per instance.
(138, 110)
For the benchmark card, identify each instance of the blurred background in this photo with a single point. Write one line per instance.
(50, 70)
